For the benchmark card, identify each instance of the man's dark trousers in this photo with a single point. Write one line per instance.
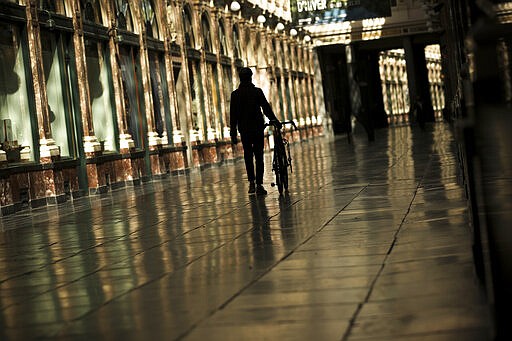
(252, 142)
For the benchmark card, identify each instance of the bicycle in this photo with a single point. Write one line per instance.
(281, 159)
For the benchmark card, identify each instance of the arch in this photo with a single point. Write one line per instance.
(206, 32)
(188, 27)
(150, 19)
(259, 53)
(123, 15)
(274, 54)
(55, 6)
(91, 11)
(223, 48)
(283, 54)
(249, 48)
(237, 51)
(286, 55)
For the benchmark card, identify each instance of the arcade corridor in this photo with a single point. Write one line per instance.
(371, 243)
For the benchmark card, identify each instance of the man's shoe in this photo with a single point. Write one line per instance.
(260, 190)
(252, 188)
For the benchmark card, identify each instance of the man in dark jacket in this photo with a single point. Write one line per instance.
(245, 113)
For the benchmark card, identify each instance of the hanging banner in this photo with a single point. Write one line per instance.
(317, 12)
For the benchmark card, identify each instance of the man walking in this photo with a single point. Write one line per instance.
(245, 114)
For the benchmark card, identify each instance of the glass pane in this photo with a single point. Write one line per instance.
(228, 88)
(15, 127)
(157, 93)
(98, 76)
(166, 104)
(131, 85)
(215, 109)
(59, 102)
(181, 97)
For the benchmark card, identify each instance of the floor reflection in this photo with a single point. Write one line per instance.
(370, 241)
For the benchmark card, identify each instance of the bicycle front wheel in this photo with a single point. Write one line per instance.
(277, 170)
(283, 174)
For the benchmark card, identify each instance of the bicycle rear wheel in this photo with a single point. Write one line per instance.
(277, 170)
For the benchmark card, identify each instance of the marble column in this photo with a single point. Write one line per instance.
(126, 142)
(47, 149)
(91, 144)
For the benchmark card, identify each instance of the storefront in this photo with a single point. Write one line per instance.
(97, 95)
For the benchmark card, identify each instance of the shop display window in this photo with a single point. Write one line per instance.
(57, 91)
(16, 134)
(100, 92)
(158, 91)
(133, 93)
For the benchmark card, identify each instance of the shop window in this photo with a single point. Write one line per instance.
(158, 92)
(15, 128)
(228, 85)
(132, 85)
(165, 100)
(57, 90)
(197, 96)
(181, 96)
(215, 105)
(100, 92)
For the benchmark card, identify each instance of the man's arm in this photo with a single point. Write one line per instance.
(267, 109)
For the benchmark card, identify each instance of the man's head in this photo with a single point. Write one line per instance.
(245, 74)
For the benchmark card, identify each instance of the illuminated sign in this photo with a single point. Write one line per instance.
(316, 12)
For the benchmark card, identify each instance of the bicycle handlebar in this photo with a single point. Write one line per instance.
(273, 123)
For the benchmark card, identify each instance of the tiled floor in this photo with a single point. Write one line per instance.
(371, 243)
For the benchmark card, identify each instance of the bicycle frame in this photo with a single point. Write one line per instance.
(281, 158)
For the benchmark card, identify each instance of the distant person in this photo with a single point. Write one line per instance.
(419, 112)
(245, 114)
